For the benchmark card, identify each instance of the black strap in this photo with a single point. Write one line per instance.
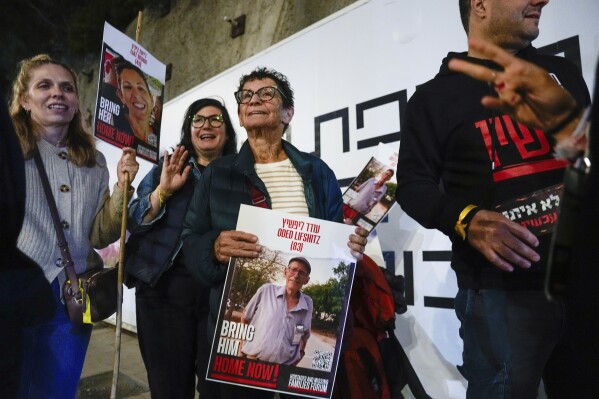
(62, 241)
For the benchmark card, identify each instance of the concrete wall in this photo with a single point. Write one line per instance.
(195, 38)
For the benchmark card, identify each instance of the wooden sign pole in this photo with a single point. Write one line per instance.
(121, 265)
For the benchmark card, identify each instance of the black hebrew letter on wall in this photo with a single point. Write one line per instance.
(402, 99)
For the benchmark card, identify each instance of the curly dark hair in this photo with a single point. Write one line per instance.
(280, 80)
(230, 143)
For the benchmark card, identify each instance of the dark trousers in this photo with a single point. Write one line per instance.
(511, 341)
(171, 328)
(26, 300)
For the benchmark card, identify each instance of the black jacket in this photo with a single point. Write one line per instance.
(583, 295)
(445, 162)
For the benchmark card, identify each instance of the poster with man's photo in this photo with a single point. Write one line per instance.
(283, 313)
(130, 95)
(371, 195)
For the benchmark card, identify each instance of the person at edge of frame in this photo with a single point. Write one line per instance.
(512, 335)
(531, 96)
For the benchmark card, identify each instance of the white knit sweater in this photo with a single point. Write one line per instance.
(92, 218)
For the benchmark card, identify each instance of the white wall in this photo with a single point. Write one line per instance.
(368, 50)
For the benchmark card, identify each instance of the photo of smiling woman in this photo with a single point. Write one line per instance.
(138, 103)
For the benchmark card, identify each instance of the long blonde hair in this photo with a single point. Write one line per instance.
(81, 145)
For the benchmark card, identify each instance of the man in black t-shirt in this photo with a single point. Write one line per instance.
(458, 163)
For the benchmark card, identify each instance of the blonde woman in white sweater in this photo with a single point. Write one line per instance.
(45, 112)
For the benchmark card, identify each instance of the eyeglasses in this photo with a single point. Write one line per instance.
(299, 272)
(198, 121)
(265, 94)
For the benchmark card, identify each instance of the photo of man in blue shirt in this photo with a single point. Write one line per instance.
(281, 317)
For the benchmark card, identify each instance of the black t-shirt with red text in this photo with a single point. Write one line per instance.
(455, 152)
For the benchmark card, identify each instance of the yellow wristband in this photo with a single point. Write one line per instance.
(460, 226)
(162, 197)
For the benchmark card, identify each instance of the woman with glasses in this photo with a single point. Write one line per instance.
(171, 306)
(267, 170)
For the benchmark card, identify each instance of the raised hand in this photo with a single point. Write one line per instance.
(525, 91)
(172, 178)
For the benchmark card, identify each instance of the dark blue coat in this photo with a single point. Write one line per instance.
(153, 246)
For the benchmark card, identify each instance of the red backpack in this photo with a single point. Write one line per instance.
(372, 302)
(365, 371)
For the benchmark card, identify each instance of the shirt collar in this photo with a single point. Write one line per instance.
(301, 304)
